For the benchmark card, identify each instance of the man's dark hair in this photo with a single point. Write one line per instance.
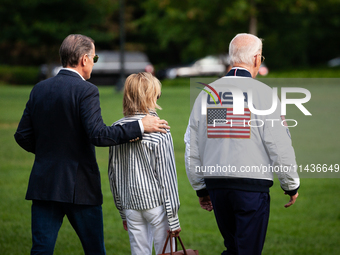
(73, 48)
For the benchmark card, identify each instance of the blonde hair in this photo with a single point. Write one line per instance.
(141, 92)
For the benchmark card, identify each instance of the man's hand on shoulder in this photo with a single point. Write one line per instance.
(154, 124)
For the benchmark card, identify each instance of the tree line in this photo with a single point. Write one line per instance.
(295, 32)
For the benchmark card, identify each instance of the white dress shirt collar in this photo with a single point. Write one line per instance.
(72, 70)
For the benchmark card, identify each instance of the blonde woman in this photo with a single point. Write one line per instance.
(142, 173)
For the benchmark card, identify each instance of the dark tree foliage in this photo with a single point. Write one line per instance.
(295, 32)
(300, 33)
(32, 30)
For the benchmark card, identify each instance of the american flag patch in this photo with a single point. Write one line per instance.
(222, 123)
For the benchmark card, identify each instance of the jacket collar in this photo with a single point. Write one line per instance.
(71, 72)
(151, 112)
(236, 71)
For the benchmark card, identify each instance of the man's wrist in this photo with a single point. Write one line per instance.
(202, 193)
(292, 192)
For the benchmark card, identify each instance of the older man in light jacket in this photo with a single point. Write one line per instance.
(231, 157)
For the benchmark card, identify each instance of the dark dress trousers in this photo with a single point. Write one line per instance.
(61, 124)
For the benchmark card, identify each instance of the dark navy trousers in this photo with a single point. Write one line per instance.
(47, 218)
(242, 218)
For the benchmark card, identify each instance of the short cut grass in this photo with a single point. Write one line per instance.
(141, 92)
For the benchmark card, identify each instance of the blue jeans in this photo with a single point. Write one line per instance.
(242, 218)
(47, 218)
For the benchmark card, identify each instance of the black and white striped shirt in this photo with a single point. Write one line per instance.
(142, 174)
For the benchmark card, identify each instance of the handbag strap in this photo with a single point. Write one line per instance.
(170, 244)
(184, 250)
(176, 244)
(166, 242)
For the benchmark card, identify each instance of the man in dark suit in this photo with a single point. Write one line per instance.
(61, 124)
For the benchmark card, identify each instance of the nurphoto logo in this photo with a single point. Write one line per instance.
(238, 99)
(241, 115)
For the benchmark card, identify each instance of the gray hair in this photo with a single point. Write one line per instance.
(73, 48)
(243, 47)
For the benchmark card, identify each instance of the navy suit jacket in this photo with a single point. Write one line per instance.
(61, 124)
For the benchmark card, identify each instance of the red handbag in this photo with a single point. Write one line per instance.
(176, 252)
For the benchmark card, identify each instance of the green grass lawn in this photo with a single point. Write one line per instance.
(311, 226)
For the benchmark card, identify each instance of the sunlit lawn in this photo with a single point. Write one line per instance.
(311, 226)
